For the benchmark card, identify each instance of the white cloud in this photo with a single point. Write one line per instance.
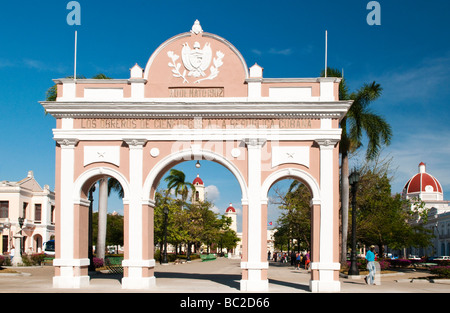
(257, 51)
(428, 146)
(287, 51)
(421, 80)
(215, 209)
(276, 51)
(212, 193)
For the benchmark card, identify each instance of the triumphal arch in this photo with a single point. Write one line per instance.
(196, 99)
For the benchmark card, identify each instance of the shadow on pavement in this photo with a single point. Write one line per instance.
(288, 284)
(229, 280)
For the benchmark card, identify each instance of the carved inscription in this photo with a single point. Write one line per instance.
(196, 123)
(196, 92)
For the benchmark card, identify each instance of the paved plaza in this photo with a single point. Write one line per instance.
(218, 276)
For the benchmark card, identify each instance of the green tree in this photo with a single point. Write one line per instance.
(114, 235)
(228, 239)
(211, 223)
(383, 219)
(295, 220)
(52, 92)
(115, 186)
(360, 120)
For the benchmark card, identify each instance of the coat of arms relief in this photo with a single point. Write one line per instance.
(196, 60)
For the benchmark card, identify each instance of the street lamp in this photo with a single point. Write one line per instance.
(20, 220)
(353, 180)
(166, 213)
(91, 266)
(197, 165)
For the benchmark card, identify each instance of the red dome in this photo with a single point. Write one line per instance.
(230, 209)
(422, 182)
(197, 180)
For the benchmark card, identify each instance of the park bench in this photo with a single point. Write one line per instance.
(207, 257)
(114, 264)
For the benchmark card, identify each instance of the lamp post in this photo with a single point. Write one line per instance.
(166, 213)
(188, 252)
(353, 180)
(91, 266)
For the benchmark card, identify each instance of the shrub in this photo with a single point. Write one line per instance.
(33, 259)
(98, 262)
(441, 271)
(384, 264)
(442, 262)
(5, 260)
(361, 264)
(400, 263)
(37, 258)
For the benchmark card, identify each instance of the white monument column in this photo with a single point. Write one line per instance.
(133, 262)
(102, 217)
(255, 279)
(325, 265)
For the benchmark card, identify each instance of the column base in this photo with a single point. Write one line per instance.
(254, 285)
(72, 273)
(324, 286)
(138, 282)
(71, 282)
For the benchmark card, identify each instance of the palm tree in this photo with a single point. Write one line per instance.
(176, 181)
(359, 120)
(114, 185)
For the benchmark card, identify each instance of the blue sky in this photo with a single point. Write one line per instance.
(408, 54)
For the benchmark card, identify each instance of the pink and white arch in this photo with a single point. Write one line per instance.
(196, 99)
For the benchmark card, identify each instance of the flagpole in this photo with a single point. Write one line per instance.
(75, 60)
(326, 51)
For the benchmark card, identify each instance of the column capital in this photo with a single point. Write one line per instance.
(149, 202)
(67, 142)
(135, 143)
(327, 143)
(254, 142)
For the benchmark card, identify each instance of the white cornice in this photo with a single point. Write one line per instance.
(180, 134)
(190, 108)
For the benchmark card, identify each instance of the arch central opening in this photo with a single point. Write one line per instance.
(197, 223)
(289, 232)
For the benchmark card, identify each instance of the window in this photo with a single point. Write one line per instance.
(4, 209)
(24, 210)
(52, 219)
(37, 213)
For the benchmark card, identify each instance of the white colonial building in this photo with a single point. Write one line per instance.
(28, 200)
(427, 188)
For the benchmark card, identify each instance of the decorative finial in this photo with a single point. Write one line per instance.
(196, 28)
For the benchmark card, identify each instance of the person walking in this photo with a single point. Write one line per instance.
(307, 261)
(370, 257)
(12, 251)
(297, 260)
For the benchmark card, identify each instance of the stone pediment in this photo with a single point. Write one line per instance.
(196, 64)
